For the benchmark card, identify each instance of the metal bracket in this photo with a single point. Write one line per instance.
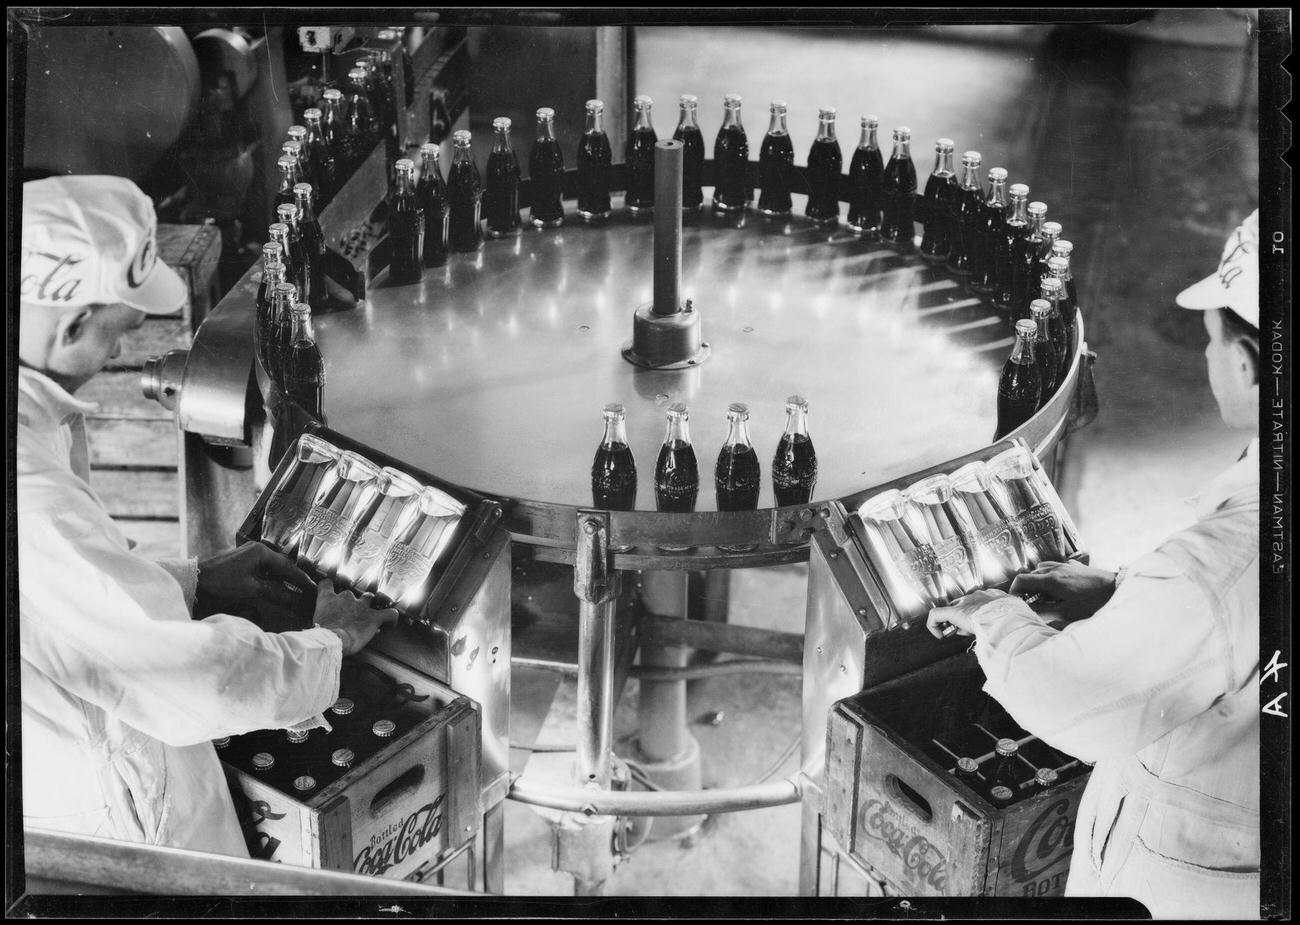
(594, 579)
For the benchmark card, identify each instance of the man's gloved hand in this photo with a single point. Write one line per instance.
(248, 579)
(354, 619)
(1081, 588)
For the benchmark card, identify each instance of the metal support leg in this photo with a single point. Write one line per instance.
(494, 840)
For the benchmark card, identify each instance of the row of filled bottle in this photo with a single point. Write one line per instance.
(1039, 362)
(737, 473)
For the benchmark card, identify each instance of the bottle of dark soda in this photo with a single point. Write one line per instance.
(501, 195)
(993, 216)
(1051, 234)
(313, 240)
(288, 176)
(1020, 390)
(941, 205)
(899, 190)
(640, 157)
(613, 471)
(319, 155)
(794, 467)
(431, 193)
(824, 165)
(866, 181)
(1006, 769)
(970, 209)
(264, 305)
(677, 474)
(285, 233)
(298, 134)
(464, 197)
(1007, 248)
(546, 173)
(737, 476)
(1027, 265)
(1053, 292)
(383, 98)
(331, 128)
(688, 133)
(1063, 250)
(405, 227)
(594, 160)
(732, 190)
(776, 165)
(304, 369)
(284, 298)
(1045, 354)
(359, 135)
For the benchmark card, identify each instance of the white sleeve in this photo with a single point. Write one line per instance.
(186, 573)
(113, 629)
(1112, 684)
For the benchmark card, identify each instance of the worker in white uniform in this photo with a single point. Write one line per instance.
(1160, 685)
(122, 690)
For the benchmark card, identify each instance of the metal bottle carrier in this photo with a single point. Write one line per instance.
(880, 694)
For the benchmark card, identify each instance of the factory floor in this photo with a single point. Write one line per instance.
(1143, 141)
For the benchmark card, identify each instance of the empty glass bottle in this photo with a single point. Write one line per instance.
(970, 209)
(688, 133)
(431, 193)
(613, 471)
(1020, 390)
(546, 174)
(313, 241)
(941, 205)
(640, 157)
(1007, 248)
(677, 474)
(732, 189)
(359, 127)
(824, 165)
(405, 227)
(594, 161)
(776, 165)
(866, 179)
(899, 188)
(794, 467)
(501, 195)
(993, 216)
(464, 197)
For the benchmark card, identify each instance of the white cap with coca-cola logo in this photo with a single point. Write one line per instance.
(1235, 284)
(91, 240)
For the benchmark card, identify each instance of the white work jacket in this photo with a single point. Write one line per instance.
(1161, 689)
(121, 690)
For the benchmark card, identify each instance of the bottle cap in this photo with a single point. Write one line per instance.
(1007, 747)
(333, 93)
(595, 106)
(1018, 191)
(277, 229)
(998, 173)
(429, 149)
(870, 121)
(287, 289)
(971, 159)
(297, 132)
(461, 138)
(1062, 248)
(404, 164)
(967, 765)
(826, 112)
(302, 190)
(284, 161)
(221, 742)
(1040, 307)
(737, 409)
(779, 107)
(688, 99)
(796, 401)
(731, 101)
(1058, 264)
(342, 757)
(614, 409)
(287, 211)
(298, 735)
(304, 783)
(384, 728)
(1045, 777)
(546, 113)
(643, 102)
(343, 706)
(358, 72)
(1027, 327)
(272, 250)
(1038, 208)
(677, 410)
(1051, 284)
(300, 308)
(1052, 229)
(263, 761)
(1002, 794)
(903, 133)
(501, 124)
(311, 115)
(944, 146)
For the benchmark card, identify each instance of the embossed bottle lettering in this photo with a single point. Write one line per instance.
(403, 576)
(336, 509)
(395, 498)
(287, 508)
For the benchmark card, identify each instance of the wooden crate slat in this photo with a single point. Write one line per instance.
(154, 338)
(132, 442)
(137, 493)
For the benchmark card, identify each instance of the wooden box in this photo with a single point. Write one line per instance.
(892, 801)
(406, 804)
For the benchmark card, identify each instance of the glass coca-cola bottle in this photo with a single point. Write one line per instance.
(546, 174)
(794, 467)
(1062, 252)
(319, 155)
(993, 216)
(1020, 390)
(594, 163)
(287, 168)
(899, 190)
(736, 476)
(677, 473)
(1007, 248)
(824, 165)
(331, 129)
(688, 133)
(1051, 292)
(304, 368)
(1006, 772)
(284, 298)
(940, 205)
(866, 181)
(313, 240)
(613, 471)
(970, 209)
(264, 305)
(431, 193)
(640, 157)
(405, 227)
(464, 197)
(1051, 234)
(1045, 355)
(501, 195)
(1026, 267)
(776, 165)
(732, 190)
(285, 233)
(298, 135)
(359, 135)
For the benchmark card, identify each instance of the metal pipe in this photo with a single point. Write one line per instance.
(595, 691)
(668, 227)
(661, 706)
(660, 803)
(739, 666)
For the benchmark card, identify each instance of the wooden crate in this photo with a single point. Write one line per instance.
(893, 803)
(396, 811)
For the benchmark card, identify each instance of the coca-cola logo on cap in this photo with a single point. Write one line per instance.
(51, 277)
(142, 265)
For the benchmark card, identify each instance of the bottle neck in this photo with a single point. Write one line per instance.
(997, 193)
(545, 130)
(776, 125)
(1017, 212)
(501, 141)
(302, 329)
(679, 431)
(1023, 352)
(943, 164)
(1053, 297)
(1036, 226)
(305, 212)
(273, 273)
(902, 150)
(738, 432)
(731, 117)
(313, 129)
(595, 123)
(686, 118)
(826, 130)
(430, 168)
(405, 181)
(796, 422)
(615, 432)
(643, 122)
(461, 155)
